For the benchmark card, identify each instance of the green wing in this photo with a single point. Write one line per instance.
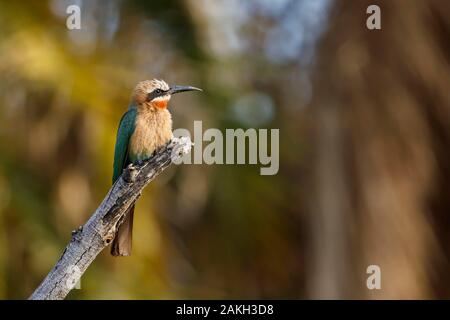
(126, 129)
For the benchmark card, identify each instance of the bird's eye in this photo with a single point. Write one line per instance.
(155, 94)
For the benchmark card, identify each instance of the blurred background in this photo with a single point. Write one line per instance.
(364, 119)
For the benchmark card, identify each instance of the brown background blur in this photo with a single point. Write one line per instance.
(364, 119)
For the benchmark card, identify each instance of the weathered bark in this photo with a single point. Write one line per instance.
(98, 232)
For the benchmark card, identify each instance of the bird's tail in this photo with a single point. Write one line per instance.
(121, 245)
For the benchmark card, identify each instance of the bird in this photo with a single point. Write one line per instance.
(144, 128)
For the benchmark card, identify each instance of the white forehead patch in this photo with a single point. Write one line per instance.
(160, 84)
(155, 84)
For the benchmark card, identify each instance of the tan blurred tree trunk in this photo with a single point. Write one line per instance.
(382, 121)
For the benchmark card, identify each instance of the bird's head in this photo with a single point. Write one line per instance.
(157, 93)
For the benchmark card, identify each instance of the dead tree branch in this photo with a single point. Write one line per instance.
(98, 232)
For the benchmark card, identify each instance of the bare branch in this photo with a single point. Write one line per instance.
(98, 232)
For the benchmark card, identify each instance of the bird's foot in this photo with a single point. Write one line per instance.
(140, 163)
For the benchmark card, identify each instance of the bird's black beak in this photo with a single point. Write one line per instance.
(178, 89)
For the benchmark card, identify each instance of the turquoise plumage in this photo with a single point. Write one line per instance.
(124, 133)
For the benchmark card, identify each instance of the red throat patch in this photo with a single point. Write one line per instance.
(161, 104)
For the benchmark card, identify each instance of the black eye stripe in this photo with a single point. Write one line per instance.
(156, 93)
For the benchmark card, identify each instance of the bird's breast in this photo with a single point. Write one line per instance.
(153, 129)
